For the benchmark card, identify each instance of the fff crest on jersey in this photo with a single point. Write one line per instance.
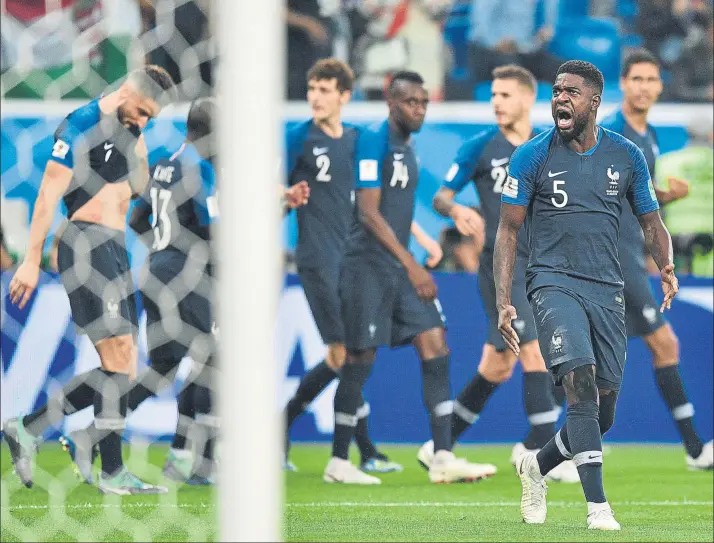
(614, 176)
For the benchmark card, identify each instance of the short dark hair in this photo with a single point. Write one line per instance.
(403, 75)
(332, 68)
(588, 71)
(154, 82)
(637, 56)
(519, 73)
(200, 118)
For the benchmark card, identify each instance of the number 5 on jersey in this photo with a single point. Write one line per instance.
(560, 192)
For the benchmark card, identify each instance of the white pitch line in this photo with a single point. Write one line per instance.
(22, 507)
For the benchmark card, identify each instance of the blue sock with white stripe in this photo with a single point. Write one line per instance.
(541, 412)
(469, 403)
(348, 399)
(437, 399)
(586, 447)
(670, 385)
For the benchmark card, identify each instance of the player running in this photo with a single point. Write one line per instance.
(387, 297)
(98, 163)
(321, 154)
(641, 86)
(484, 160)
(572, 181)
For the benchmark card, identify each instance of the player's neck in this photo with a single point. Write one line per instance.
(395, 128)
(585, 141)
(109, 103)
(331, 126)
(637, 119)
(517, 133)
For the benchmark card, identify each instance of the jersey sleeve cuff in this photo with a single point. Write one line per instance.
(368, 184)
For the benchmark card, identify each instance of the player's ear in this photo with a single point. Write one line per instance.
(596, 100)
(345, 97)
(622, 84)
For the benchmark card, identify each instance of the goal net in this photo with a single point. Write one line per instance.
(57, 56)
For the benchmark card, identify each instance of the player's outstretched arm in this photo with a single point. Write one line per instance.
(466, 220)
(54, 184)
(368, 200)
(429, 244)
(659, 244)
(504, 258)
(678, 189)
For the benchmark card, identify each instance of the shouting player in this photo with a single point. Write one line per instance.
(572, 182)
(98, 163)
(484, 160)
(641, 86)
(387, 297)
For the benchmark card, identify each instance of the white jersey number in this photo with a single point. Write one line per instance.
(160, 222)
(400, 174)
(323, 162)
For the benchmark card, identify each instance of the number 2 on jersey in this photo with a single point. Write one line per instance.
(159, 211)
(323, 162)
(499, 175)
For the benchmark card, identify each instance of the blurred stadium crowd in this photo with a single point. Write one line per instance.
(64, 49)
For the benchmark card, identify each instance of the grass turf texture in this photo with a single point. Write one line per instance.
(654, 496)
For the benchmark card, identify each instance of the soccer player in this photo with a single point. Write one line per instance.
(484, 160)
(572, 181)
(174, 218)
(641, 85)
(98, 163)
(321, 153)
(387, 297)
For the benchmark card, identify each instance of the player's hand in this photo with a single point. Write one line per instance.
(466, 220)
(678, 188)
(297, 195)
(435, 252)
(670, 286)
(24, 283)
(423, 283)
(506, 315)
(316, 30)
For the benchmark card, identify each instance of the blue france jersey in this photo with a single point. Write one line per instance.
(632, 240)
(327, 164)
(180, 202)
(84, 142)
(385, 160)
(484, 160)
(574, 205)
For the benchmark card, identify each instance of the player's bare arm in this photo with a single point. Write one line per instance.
(369, 215)
(504, 258)
(55, 182)
(139, 176)
(659, 244)
(466, 220)
(678, 189)
(428, 243)
(296, 196)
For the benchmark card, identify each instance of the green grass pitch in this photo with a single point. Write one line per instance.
(654, 496)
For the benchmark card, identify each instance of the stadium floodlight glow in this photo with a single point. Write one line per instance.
(250, 93)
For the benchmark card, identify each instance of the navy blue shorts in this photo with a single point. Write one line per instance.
(524, 324)
(321, 287)
(179, 318)
(642, 314)
(94, 269)
(381, 307)
(573, 331)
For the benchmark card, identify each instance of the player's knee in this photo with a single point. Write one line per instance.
(608, 399)
(580, 385)
(336, 356)
(531, 357)
(117, 354)
(431, 344)
(496, 368)
(664, 345)
(366, 356)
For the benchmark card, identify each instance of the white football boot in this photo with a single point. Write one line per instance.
(705, 460)
(534, 489)
(565, 472)
(446, 468)
(344, 471)
(601, 517)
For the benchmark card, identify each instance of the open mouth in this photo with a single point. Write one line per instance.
(564, 119)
